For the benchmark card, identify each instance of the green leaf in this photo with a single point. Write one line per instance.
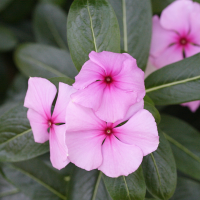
(176, 83)
(186, 190)
(158, 5)
(66, 80)
(135, 23)
(7, 39)
(4, 4)
(55, 2)
(44, 61)
(16, 137)
(36, 179)
(50, 25)
(87, 185)
(91, 26)
(184, 140)
(149, 105)
(126, 187)
(17, 10)
(160, 170)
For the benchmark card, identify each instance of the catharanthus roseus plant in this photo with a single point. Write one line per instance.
(78, 118)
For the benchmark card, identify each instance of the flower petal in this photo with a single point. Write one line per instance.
(91, 96)
(85, 148)
(115, 103)
(39, 125)
(161, 38)
(79, 118)
(119, 159)
(191, 50)
(170, 55)
(62, 101)
(109, 61)
(40, 96)
(193, 105)
(58, 148)
(89, 73)
(176, 16)
(140, 130)
(130, 78)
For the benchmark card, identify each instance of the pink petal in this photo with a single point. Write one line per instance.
(58, 148)
(161, 38)
(193, 105)
(195, 26)
(191, 50)
(119, 159)
(131, 78)
(89, 73)
(131, 111)
(40, 96)
(115, 103)
(109, 61)
(39, 125)
(85, 147)
(62, 101)
(176, 16)
(170, 55)
(91, 96)
(140, 130)
(79, 118)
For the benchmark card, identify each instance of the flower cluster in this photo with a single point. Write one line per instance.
(99, 122)
(176, 36)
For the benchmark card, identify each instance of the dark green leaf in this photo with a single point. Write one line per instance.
(55, 2)
(158, 5)
(86, 185)
(7, 39)
(17, 10)
(36, 180)
(184, 140)
(91, 26)
(175, 83)
(66, 80)
(149, 105)
(160, 170)
(126, 187)
(186, 190)
(134, 19)
(16, 137)
(50, 25)
(4, 4)
(44, 61)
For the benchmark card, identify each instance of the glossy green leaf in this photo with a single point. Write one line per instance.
(87, 185)
(91, 26)
(160, 170)
(16, 137)
(175, 83)
(186, 190)
(184, 140)
(149, 105)
(17, 10)
(36, 180)
(44, 61)
(7, 39)
(134, 19)
(126, 187)
(50, 25)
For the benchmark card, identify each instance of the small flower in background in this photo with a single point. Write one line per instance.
(38, 100)
(176, 36)
(109, 83)
(116, 151)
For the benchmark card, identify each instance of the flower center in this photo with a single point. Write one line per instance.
(183, 41)
(50, 123)
(108, 79)
(108, 131)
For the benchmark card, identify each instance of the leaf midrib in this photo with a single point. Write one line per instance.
(172, 84)
(41, 182)
(10, 192)
(126, 186)
(97, 186)
(125, 26)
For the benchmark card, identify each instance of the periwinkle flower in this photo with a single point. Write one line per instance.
(38, 100)
(109, 83)
(176, 35)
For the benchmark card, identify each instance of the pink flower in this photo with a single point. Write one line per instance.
(39, 99)
(116, 151)
(109, 83)
(176, 35)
